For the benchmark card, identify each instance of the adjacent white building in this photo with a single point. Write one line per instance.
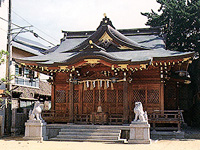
(3, 34)
(3, 46)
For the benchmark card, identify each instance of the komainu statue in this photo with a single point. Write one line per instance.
(35, 114)
(140, 115)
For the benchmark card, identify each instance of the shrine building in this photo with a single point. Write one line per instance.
(97, 76)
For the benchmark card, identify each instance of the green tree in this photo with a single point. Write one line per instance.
(180, 21)
(3, 54)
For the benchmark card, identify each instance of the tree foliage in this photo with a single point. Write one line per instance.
(180, 21)
(4, 102)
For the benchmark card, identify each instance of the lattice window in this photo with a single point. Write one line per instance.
(102, 96)
(60, 96)
(111, 96)
(88, 96)
(153, 96)
(76, 96)
(139, 95)
(120, 96)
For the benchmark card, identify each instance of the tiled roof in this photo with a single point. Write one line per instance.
(132, 45)
(29, 46)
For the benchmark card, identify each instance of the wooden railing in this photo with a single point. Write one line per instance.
(115, 119)
(82, 119)
(55, 116)
(167, 120)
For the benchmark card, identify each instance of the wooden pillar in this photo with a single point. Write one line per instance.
(125, 102)
(81, 98)
(53, 97)
(71, 102)
(162, 97)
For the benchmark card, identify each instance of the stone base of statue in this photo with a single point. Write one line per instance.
(139, 133)
(35, 130)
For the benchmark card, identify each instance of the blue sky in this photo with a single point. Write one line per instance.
(49, 17)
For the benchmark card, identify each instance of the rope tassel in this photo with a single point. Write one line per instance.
(94, 84)
(112, 87)
(100, 83)
(88, 84)
(105, 85)
(108, 84)
(91, 87)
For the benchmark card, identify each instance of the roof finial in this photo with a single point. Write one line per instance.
(105, 15)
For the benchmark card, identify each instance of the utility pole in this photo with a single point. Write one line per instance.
(8, 117)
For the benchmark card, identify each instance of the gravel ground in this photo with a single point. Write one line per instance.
(20, 144)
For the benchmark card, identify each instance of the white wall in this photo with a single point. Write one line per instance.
(3, 34)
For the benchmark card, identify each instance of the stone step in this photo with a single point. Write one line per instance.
(92, 126)
(88, 140)
(97, 133)
(90, 133)
(91, 130)
(87, 137)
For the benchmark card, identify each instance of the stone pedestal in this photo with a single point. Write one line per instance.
(35, 130)
(139, 133)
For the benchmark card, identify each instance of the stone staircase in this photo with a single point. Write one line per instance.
(95, 133)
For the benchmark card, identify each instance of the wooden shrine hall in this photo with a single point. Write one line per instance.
(97, 76)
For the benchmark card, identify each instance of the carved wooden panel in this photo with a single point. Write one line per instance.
(139, 95)
(111, 96)
(60, 96)
(102, 96)
(76, 96)
(120, 96)
(153, 96)
(88, 96)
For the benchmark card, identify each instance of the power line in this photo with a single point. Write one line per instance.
(34, 26)
(31, 31)
(31, 24)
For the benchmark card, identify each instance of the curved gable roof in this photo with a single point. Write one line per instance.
(129, 45)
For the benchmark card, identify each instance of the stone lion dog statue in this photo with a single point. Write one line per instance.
(35, 114)
(140, 115)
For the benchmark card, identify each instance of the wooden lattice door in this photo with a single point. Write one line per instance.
(171, 101)
(149, 95)
(88, 101)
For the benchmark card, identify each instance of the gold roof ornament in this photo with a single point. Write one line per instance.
(104, 14)
(90, 42)
(105, 37)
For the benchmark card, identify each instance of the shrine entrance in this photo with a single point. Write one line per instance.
(106, 100)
